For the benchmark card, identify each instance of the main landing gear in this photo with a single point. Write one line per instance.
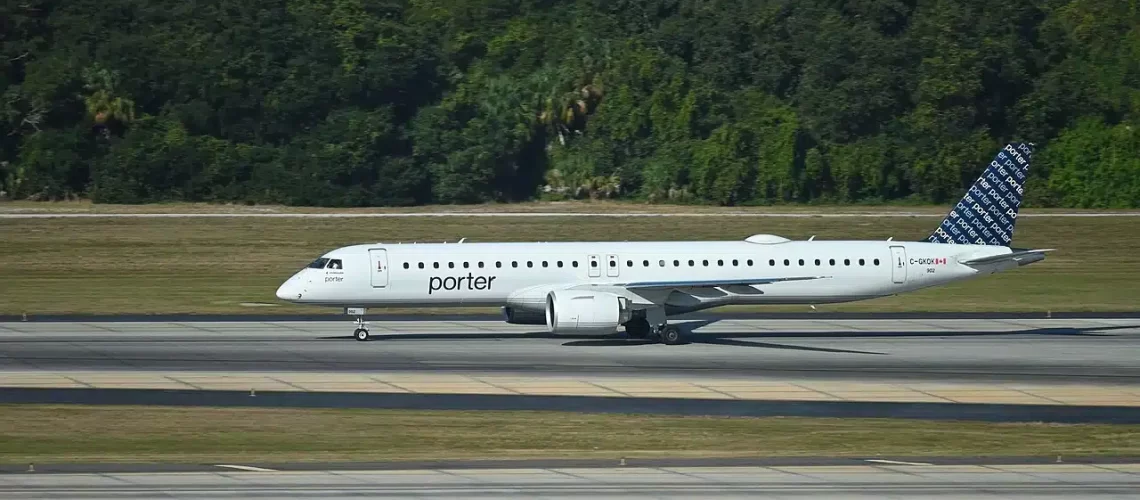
(652, 326)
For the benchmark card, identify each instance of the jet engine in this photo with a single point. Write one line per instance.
(520, 316)
(585, 313)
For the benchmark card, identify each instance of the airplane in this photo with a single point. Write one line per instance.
(593, 288)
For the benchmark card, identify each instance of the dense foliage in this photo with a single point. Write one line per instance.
(392, 102)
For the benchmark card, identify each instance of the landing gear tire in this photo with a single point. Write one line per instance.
(638, 329)
(361, 334)
(671, 335)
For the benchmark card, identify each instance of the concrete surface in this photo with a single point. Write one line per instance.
(879, 481)
(1074, 352)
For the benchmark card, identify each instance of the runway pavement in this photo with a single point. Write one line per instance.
(1057, 351)
(1060, 369)
(879, 481)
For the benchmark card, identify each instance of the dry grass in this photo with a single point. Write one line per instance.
(90, 433)
(214, 265)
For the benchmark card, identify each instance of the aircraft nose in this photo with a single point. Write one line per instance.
(289, 290)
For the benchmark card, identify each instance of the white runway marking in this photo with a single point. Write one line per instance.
(246, 468)
(894, 462)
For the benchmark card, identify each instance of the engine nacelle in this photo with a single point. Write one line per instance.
(585, 313)
(517, 316)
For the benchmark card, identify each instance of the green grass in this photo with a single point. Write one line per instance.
(181, 265)
(41, 433)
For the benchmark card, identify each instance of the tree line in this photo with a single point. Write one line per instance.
(405, 102)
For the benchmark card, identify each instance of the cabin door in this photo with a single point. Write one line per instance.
(379, 270)
(898, 264)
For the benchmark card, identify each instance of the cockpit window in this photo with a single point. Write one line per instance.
(318, 264)
(334, 264)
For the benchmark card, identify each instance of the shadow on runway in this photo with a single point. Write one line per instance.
(743, 339)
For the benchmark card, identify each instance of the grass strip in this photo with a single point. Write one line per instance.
(233, 265)
(47, 433)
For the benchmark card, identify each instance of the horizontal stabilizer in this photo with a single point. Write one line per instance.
(1018, 256)
(641, 285)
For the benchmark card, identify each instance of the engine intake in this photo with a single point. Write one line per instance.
(589, 313)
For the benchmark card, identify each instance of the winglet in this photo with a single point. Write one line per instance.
(987, 213)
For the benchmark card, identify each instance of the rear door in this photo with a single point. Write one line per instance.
(379, 267)
(898, 264)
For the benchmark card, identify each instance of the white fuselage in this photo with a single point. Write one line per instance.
(520, 275)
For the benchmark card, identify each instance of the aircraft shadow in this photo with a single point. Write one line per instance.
(744, 339)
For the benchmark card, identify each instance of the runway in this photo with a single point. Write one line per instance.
(880, 481)
(1011, 369)
(1056, 351)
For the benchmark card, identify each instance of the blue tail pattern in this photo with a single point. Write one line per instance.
(986, 215)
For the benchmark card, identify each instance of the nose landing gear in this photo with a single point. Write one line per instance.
(361, 332)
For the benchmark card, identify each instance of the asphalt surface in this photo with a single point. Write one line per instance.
(879, 481)
(1058, 350)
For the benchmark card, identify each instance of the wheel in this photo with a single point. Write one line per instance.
(360, 334)
(637, 328)
(671, 335)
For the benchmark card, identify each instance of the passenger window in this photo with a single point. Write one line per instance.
(559, 263)
(735, 262)
(817, 262)
(860, 262)
(451, 265)
(786, 263)
(801, 262)
(574, 263)
(772, 262)
(514, 263)
(876, 262)
(691, 264)
(406, 265)
(705, 262)
(465, 265)
(435, 265)
(847, 262)
(749, 262)
(720, 262)
(498, 263)
(544, 263)
(593, 263)
(645, 263)
(480, 264)
(831, 261)
(529, 264)
(661, 262)
(676, 263)
(421, 265)
(334, 264)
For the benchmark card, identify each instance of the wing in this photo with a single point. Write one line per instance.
(644, 285)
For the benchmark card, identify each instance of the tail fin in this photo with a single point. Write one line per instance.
(987, 213)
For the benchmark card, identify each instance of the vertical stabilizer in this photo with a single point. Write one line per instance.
(986, 215)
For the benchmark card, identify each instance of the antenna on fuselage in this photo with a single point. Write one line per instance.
(891, 238)
(812, 237)
(461, 239)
